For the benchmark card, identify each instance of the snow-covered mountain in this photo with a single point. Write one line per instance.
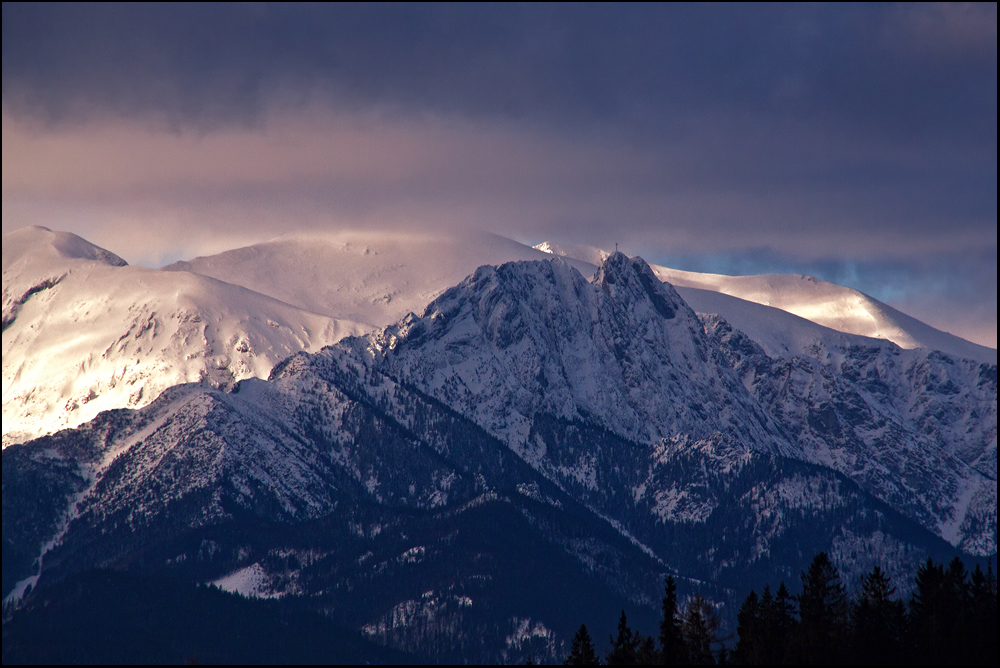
(624, 353)
(527, 341)
(531, 426)
(833, 306)
(83, 332)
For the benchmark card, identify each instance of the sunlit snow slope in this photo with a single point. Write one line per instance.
(83, 332)
(371, 277)
(834, 306)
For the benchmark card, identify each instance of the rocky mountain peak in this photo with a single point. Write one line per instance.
(525, 339)
(631, 279)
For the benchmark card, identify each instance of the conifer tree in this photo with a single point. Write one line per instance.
(924, 615)
(701, 624)
(957, 605)
(823, 615)
(934, 613)
(625, 647)
(983, 612)
(749, 627)
(763, 627)
(780, 623)
(877, 620)
(582, 650)
(672, 652)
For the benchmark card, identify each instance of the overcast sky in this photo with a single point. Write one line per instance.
(856, 143)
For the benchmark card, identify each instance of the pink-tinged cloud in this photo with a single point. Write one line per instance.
(307, 169)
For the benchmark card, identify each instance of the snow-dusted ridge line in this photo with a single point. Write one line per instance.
(372, 277)
(836, 307)
(104, 335)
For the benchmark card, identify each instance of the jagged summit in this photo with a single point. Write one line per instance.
(529, 338)
(618, 273)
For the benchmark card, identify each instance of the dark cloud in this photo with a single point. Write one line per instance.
(902, 71)
(758, 96)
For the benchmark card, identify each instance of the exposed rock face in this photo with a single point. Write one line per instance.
(624, 353)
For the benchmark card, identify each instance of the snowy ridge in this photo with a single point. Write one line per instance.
(834, 306)
(41, 248)
(373, 277)
(84, 333)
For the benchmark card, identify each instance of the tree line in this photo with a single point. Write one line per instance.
(950, 618)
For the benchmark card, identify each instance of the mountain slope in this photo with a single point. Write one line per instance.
(371, 277)
(940, 406)
(916, 428)
(531, 341)
(84, 333)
